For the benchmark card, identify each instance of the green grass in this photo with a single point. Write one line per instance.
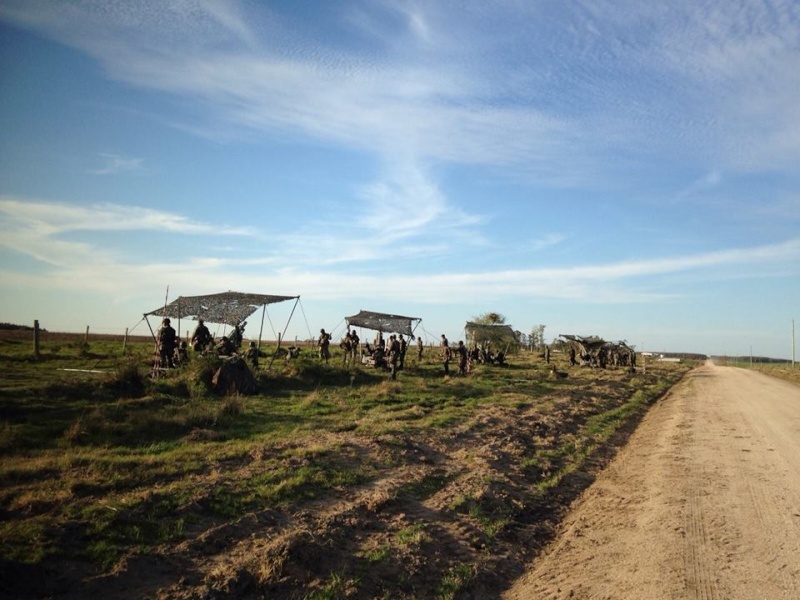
(413, 535)
(335, 588)
(784, 371)
(456, 578)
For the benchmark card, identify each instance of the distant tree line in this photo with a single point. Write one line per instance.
(13, 327)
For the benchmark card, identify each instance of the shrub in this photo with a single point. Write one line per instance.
(128, 381)
(232, 406)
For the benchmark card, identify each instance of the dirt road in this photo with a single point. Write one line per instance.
(703, 503)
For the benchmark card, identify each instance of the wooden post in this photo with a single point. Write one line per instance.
(36, 352)
(86, 339)
(125, 340)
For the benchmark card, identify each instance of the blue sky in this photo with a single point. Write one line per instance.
(622, 169)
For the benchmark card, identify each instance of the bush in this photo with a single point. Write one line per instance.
(128, 381)
(199, 374)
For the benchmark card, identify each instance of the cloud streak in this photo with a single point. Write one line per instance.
(435, 102)
(34, 229)
(114, 164)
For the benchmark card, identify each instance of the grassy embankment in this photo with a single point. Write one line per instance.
(780, 370)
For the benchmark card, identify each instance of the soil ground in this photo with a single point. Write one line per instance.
(703, 502)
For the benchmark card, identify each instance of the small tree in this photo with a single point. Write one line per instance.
(489, 318)
(536, 337)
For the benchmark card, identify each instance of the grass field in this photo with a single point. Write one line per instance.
(781, 371)
(331, 482)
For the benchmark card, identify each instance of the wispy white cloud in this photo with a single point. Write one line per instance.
(114, 164)
(37, 229)
(53, 218)
(34, 229)
(713, 81)
(454, 108)
(407, 203)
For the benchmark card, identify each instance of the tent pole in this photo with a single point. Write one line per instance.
(146, 320)
(260, 331)
(310, 335)
(271, 360)
(290, 316)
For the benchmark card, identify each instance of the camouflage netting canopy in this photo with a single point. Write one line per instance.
(586, 345)
(497, 335)
(385, 323)
(227, 308)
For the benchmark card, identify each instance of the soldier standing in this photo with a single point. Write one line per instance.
(403, 348)
(166, 344)
(446, 355)
(346, 346)
(354, 342)
(461, 350)
(394, 354)
(324, 343)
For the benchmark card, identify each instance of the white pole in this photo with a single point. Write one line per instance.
(793, 338)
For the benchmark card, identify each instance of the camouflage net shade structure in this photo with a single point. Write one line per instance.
(225, 308)
(496, 335)
(586, 346)
(595, 351)
(384, 322)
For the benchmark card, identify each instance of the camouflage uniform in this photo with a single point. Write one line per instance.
(166, 344)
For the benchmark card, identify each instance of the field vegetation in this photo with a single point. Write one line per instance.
(783, 371)
(331, 482)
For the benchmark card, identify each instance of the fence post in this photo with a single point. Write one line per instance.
(36, 352)
(125, 340)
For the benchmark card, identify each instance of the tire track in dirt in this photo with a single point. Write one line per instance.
(699, 578)
(698, 563)
(762, 450)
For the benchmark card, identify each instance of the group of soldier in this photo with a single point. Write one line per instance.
(173, 354)
(385, 354)
(464, 357)
(388, 354)
(350, 347)
(607, 355)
